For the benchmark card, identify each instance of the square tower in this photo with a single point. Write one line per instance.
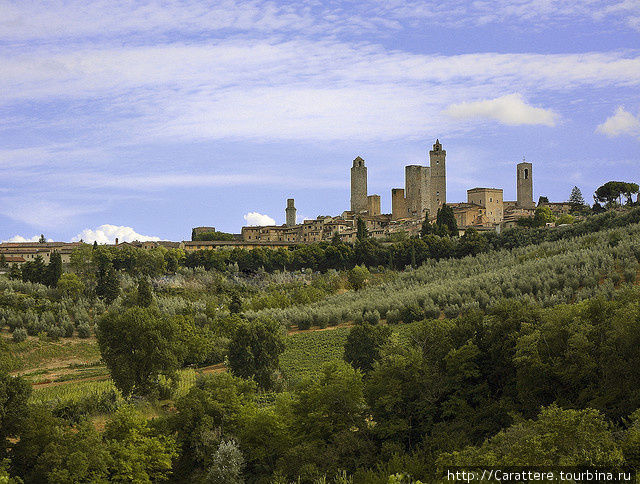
(416, 178)
(398, 204)
(290, 212)
(524, 185)
(358, 186)
(438, 182)
(373, 205)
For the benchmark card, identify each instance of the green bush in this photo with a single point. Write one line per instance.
(19, 335)
(84, 331)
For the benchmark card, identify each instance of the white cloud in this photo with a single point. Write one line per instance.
(255, 218)
(511, 110)
(622, 122)
(106, 234)
(20, 238)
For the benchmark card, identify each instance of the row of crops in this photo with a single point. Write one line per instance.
(550, 273)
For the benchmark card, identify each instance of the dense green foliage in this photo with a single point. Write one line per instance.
(521, 348)
(255, 349)
(215, 235)
(138, 346)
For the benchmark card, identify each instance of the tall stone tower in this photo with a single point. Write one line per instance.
(416, 179)
(437, 160)
(358, 186)
(524, 176)
(398, 204)
(290, 211)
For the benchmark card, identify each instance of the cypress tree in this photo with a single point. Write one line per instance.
(53, 270)
(108, 287)
(576, 199)
(447, 220)
(145, 294)
(427, 228)
(362, 229)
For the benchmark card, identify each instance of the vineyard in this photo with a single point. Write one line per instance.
(550, 273)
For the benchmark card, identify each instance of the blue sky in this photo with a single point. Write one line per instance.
(150, 117)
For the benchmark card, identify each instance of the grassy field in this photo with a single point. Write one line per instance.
(34, 353)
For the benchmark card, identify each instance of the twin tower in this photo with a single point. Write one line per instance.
(425, 188)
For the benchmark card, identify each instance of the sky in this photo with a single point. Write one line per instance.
(143, 119)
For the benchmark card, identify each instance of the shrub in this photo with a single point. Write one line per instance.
(393, 316)
(304, 321)
(630, 275)
(55, 332)
(84, 331)
(372, 317)
(19, 335)
(452, 311)
(411, 313)
(68, 329)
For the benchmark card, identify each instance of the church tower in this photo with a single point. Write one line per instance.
(437, 160)
(290, 212)
(358, 186)
(524, 187)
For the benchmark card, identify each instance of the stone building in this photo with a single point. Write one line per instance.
(290, 212)
(469, 215)
(491, 200)
(373, 205)
(202, 230)
(358, 186)
(524, 185)
(398, 204)
(417, 190)
(21, 252)
(425, 188)
(437, 160)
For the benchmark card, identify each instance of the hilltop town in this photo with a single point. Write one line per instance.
(424, 194)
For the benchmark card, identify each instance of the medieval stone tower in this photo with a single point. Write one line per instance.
(437, 160)
(358, 186)
(524, 185)
(290, 212)
(416, 180)
(425, 188)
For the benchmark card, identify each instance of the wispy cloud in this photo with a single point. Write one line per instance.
(511, 110)
(285, 90)
(622, 122)
(180, 180)
(43, 214)
(26, 20)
